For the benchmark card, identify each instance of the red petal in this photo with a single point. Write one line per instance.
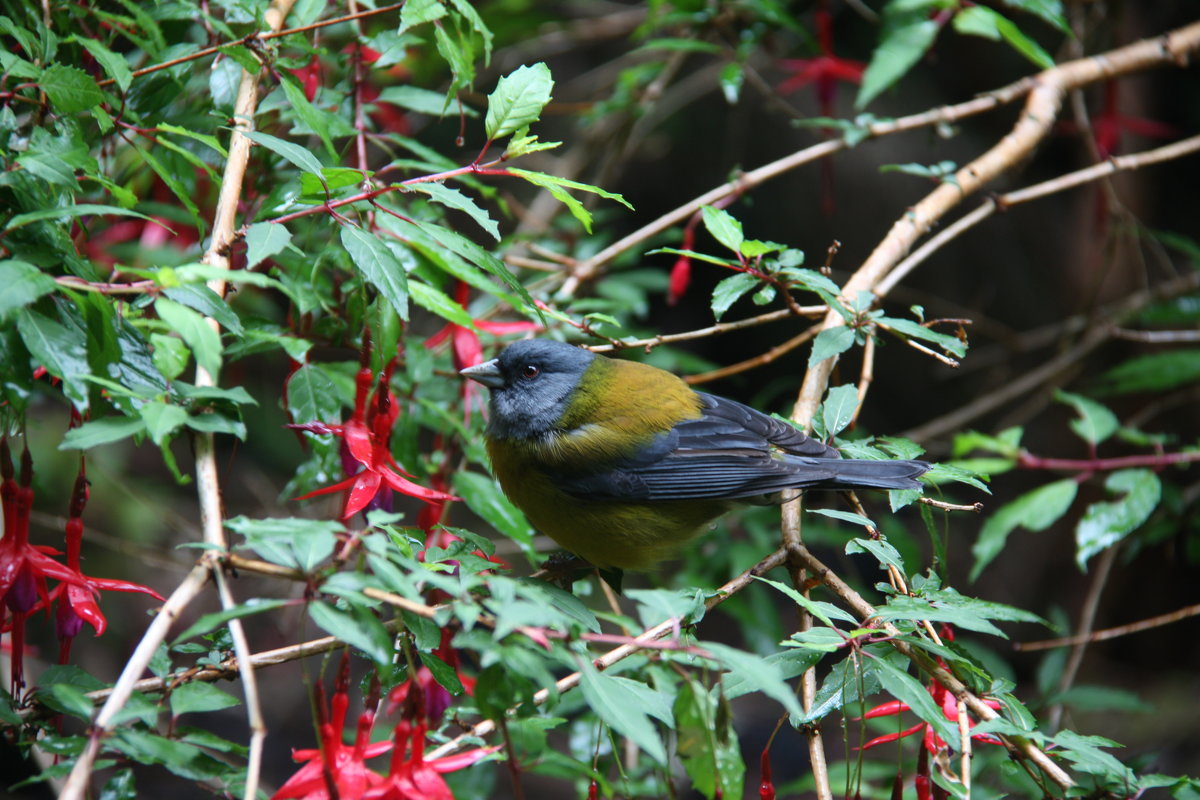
(366, 485)
(413, 490)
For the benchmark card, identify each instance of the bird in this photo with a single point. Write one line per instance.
(622, 463)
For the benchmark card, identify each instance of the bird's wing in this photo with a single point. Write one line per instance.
(730, 451)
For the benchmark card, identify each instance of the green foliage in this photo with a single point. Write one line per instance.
(397, 221)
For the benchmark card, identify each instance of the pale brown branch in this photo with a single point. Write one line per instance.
(1112, 633)
(757, 361)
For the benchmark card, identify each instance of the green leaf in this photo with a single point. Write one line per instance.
(1157, 372)
(203, 138)
(483, 496)
(724, 227)
(620, 709)
(70, 89)
(68, 699)
(1050, 11)
(707, 743)
(762, 675)
(113, 63)
(293, 153)
(990, 24)
(199, 297)
(418, 12)
(197, 696)
(289, 541)
(215, 619)
(204, 342)
(1036, 511)
(162, 420)
(558, 188)
(518, 100)
(358, 628)
(838, 408)
(882, 550)
(61, 350)
(915, 330)
(438, 302)
(101, 431)
(23, 284)
(453, 198)
(908, 33)
(908, 690)
(831, 342)
(1085, 755)
(1095, 423)
(312, 395)
(1105, 524)
(423, 101)
(729, 290)
(263, 240)
(844, 516)
(75, 211)
(379, 266)
(307, 112)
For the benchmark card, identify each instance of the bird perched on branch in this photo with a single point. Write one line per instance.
(621, 462)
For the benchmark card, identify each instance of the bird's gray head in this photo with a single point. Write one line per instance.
(531, 384)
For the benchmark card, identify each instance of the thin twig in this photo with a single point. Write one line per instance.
(1112, 633)
(712, 330)
(1087, 620)
(757, 361)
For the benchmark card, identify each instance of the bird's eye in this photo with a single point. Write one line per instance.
(530, 371)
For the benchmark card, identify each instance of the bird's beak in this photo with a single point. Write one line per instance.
(488, 373)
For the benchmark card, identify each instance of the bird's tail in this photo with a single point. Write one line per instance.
(865, 473)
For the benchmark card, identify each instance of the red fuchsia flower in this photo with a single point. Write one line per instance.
(825, 71)
(79, 602)
(335, 768)
(310, 77)
(411, 777)
(423, 696)
(24, 567)
(367, 438)
(681, 272)
(465, 345)
(766, 786)
(945, 699)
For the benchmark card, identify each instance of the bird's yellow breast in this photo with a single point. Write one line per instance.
(617, 408)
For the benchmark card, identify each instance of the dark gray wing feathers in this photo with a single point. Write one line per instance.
(734, 452)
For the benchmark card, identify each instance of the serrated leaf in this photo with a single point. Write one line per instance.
(844, 516)
(378, 266)
(199, 696)
(288, 541)
(558, 188)
(724, 227)
(1105, 524)
(831, 342)
(423, 101)
(112, 63)
(729, 290)
(990, 24)
(518, 100)
(23, 284)
(358, 628)
(204, 342)
(61, 350)
(757, 672)
(908, 690)
(1157, 372)
(1095, 422)
(453, 198)
(838, 408)
(882, 550)
(417, 12)
(70, 89)
(618, 707)
(216, 619)
(263, 240)
(288, 151)
(907, 34)
(1036, 511)
(438, 302)
(911, 328)
(162, 420)
(101, 431)
(307, 112)
(76, 211)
